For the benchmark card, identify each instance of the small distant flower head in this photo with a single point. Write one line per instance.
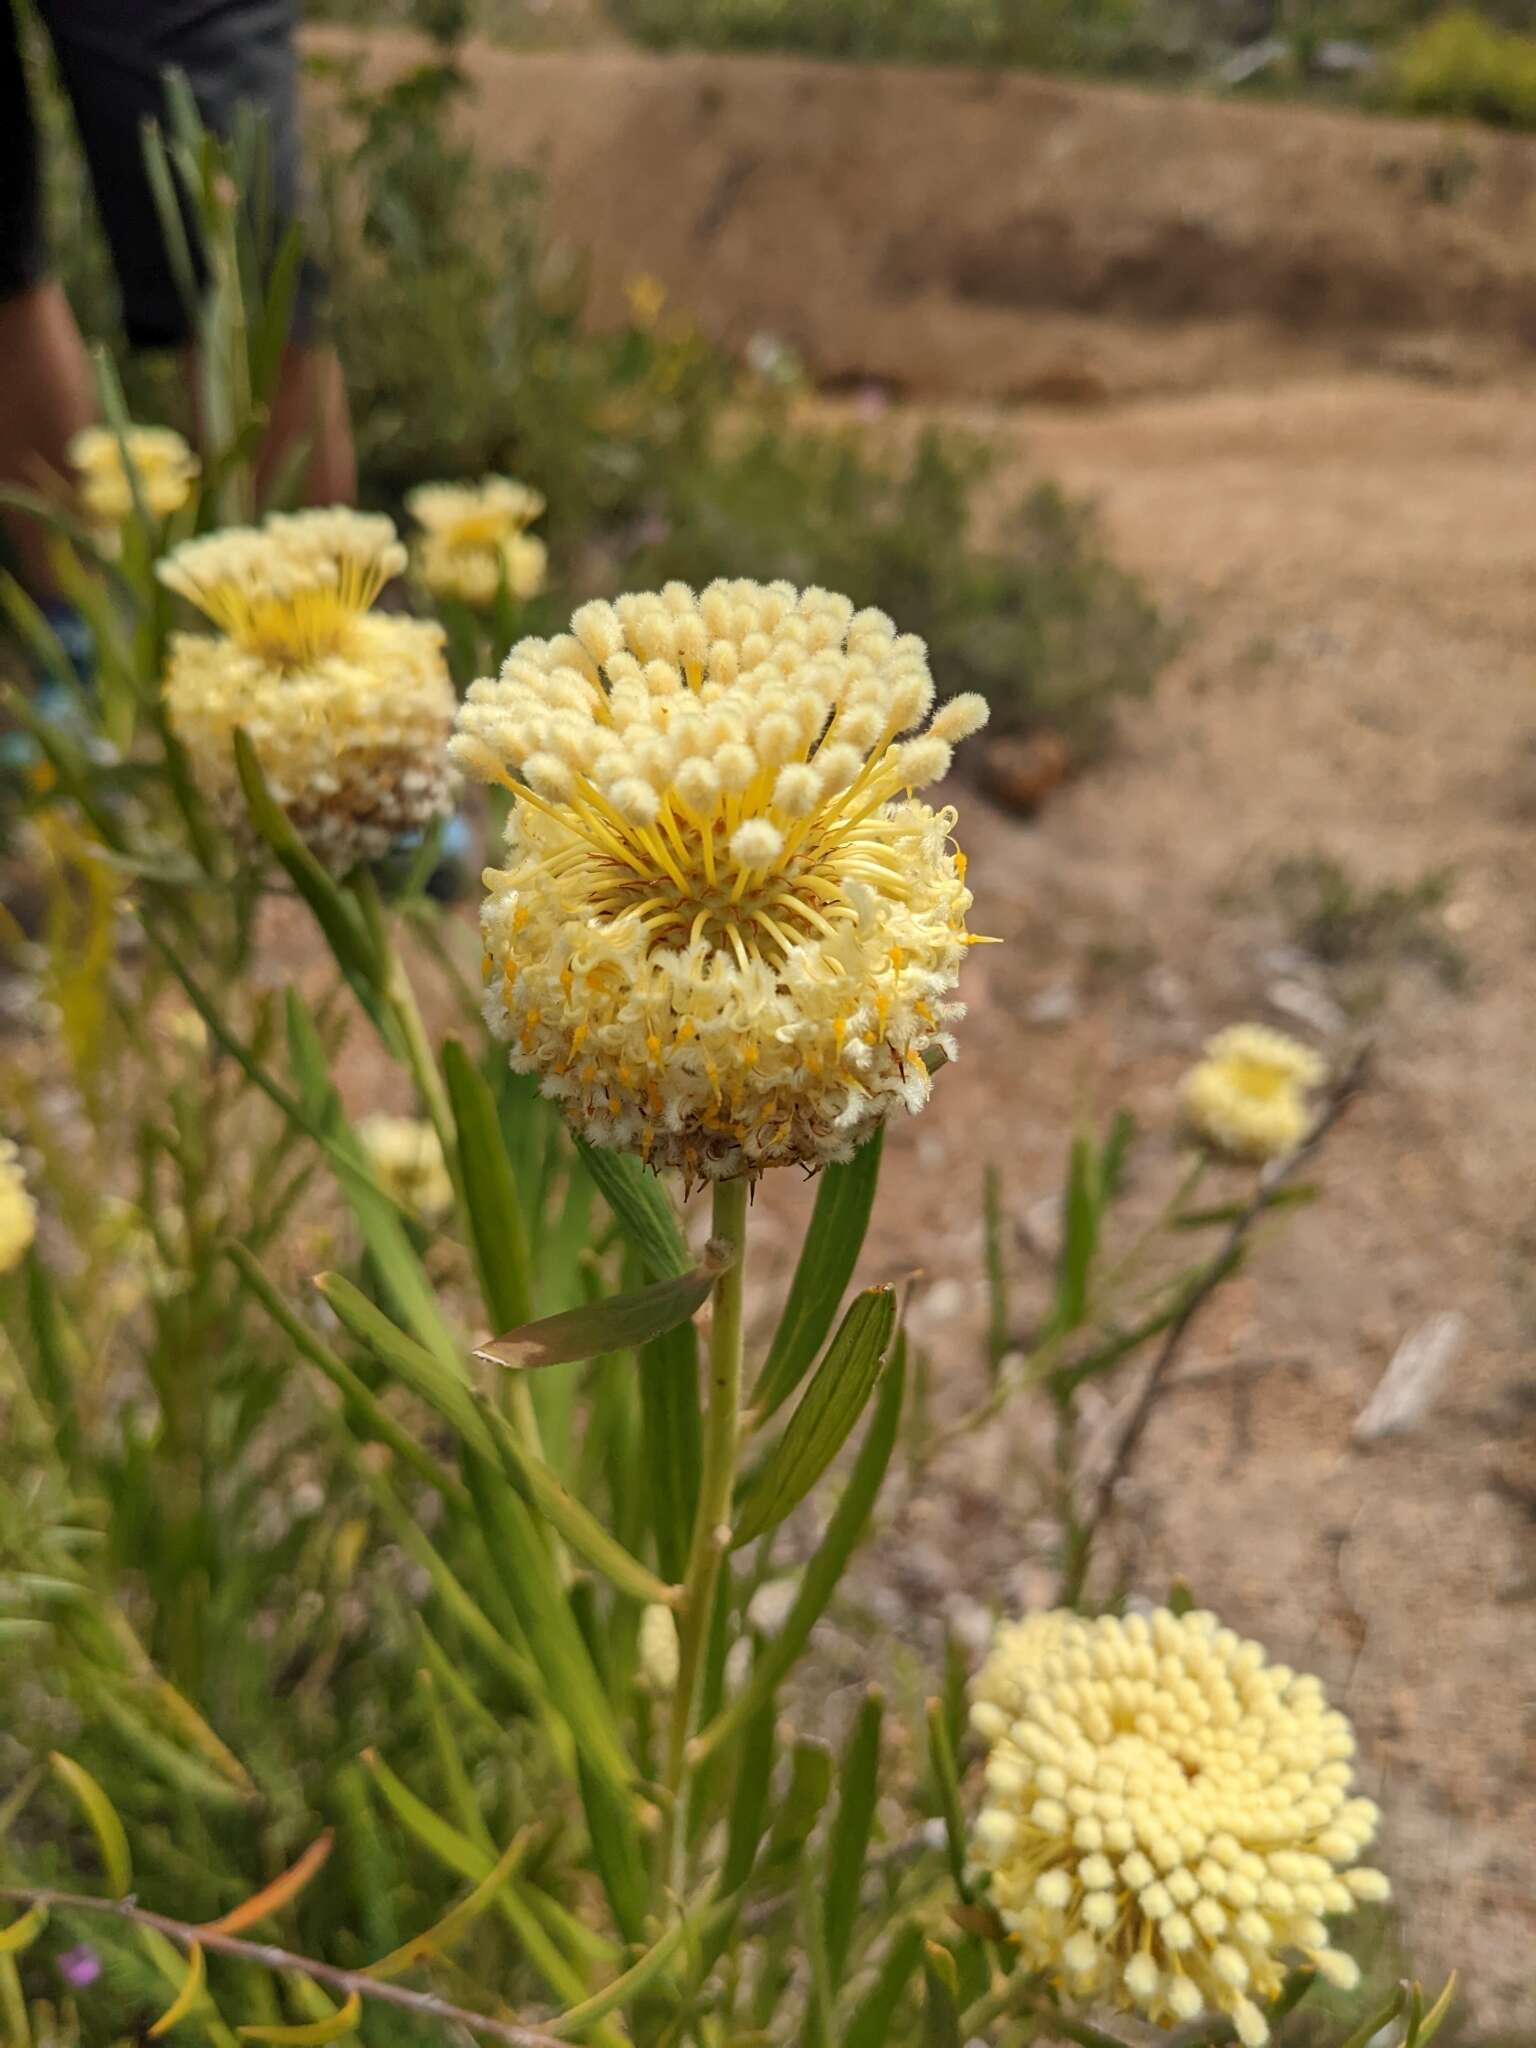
(406, 1157)
(473, 540)
(727, 931)
(80, 1966)
(658, 1650)
(18, 1211)
(647, 298)
(348, 709)
(1247, 1097)
(165, 467)
(1169, 1819)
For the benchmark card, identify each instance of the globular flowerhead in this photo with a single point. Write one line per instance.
(727, 931)
(1169, 1820)
(473, 543)
(348, 709)
(18, 1211)
(405, 1155)
(1247, 1096)
(163, 464)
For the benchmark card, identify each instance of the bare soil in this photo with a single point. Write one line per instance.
(1351, 560)
(999, 235)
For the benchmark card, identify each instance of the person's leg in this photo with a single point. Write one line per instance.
(309, 411)
(233, 53)
(46, 391)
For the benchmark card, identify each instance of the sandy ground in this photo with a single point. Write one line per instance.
(1351, 561)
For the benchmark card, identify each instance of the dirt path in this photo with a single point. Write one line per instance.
(1353, 562)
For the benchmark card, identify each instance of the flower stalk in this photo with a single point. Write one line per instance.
(711, 1529)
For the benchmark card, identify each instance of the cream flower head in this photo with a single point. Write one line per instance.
(18, 1211)
(1248, 1094)
(1168, 1817)
(348, 710)
(726, 933)
(165, 467)
(405, 1155)
(473, 539)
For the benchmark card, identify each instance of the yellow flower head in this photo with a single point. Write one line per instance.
(349, 710)
(406, 1158)
(1168, 1817)
(165, 467)
(18, 1211)
(1248, 1094)
(726, 932)
(473, 539)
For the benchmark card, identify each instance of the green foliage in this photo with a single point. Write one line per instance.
(1363, 932)
(1464, 66)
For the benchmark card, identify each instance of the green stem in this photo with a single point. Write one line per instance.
(711, 1529)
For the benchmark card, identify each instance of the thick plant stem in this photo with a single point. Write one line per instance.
(711, 1529)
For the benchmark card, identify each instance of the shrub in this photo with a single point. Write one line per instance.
(1464, 66)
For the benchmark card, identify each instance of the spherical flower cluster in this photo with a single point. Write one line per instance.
(405, 1156)
(18, 1211)
(348, 710)
(1168, 1817)
(164, 465)
(726, 933)
(1247, 1097)
(473, 540)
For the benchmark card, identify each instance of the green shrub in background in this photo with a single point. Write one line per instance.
(462, 330)
(1464, 66)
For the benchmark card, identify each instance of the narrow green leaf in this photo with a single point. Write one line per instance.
(111, 1838)
(749, 1806)
(848, 1844)
(810, 1783)
(1080, 1237)
(496, 1219)
(410, 1361)
(368, 1407)
(672, 1435)
(521, 1557)
(1115, 1157)
(1434, 2019)
(941, 2010)
(618, 1322)
(828, 1411)
(820, 1578)
(311, 2033)
(998, 1321)
(946, 1780)
(458, 1917)
(640, 1208)
(636, 1979)
(542, 1490)
(187, 1999)
(336, 915)
(827, 1259)
(1293, 1195)
(377, 1217)
(48, 1343)
(870, 2024)
(1368, 2029)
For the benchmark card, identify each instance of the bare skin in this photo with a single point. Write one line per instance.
(49, 394)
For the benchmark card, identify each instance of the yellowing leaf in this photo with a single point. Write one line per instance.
(456, 1919)
(187, 1998)
(274, 1896)
(98, 1809)
(343, 2021)
(23, 1932)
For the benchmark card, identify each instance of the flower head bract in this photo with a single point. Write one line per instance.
(18, 1211)
(348, 709)
(473, 540)
(163, 465)
(1169, 1818)
(727, 931)
(1247, 1096)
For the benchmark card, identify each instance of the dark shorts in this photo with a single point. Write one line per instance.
(112, 56)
